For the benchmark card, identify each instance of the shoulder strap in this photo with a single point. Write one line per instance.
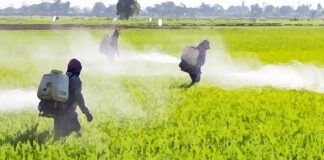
(70, 76)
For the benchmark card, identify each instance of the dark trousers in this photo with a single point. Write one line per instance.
(195, 78)
(64, 127)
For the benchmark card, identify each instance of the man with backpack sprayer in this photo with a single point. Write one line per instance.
(192, 59)
(109, 45)
(59, 94)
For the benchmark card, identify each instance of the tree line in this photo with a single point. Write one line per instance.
(165, 9)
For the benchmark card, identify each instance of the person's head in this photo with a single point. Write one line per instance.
(204, 44)
(74, 67)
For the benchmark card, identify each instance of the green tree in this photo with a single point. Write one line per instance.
(98, 9)
(127, 8)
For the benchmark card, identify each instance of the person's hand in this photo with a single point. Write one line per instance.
(89, 117)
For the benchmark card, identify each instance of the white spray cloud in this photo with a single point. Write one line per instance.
(130, 62)
(146, 64)
(151, 57)
(219, 68)
(121, 102)
(222, 69)
(16, 99)
(85, 48)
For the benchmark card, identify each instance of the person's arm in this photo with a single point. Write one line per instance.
(80, 100)
(201, 59)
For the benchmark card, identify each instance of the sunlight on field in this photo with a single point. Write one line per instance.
(142, 113)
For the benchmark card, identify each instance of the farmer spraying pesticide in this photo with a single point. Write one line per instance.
(192, 59)
(60, 94)
(109, 45)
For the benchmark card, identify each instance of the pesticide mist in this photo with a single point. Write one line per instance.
(17, 99)
(129, 61)
(219, 69)
(222, 69)
(86, 48)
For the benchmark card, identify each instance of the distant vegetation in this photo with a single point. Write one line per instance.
(126, 8)
(169, 9)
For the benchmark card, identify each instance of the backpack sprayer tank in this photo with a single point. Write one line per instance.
(189, 58)
(54, 86)
(190, 55)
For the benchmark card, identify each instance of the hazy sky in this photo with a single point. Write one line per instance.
(191, 3)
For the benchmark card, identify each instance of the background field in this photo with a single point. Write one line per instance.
(151, 117)
(144, 21)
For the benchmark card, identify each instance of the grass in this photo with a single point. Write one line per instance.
(151, 117)
(187, 124)
(269, 44)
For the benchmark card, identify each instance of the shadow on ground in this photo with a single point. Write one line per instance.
(28, 136)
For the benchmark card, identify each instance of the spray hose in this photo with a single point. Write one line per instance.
(37, 121)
